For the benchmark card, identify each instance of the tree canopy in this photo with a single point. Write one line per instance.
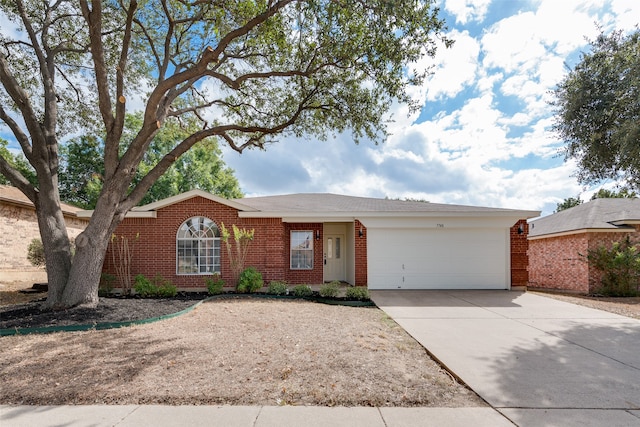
(598, 110)
(567, 203)
(247, 71)
(202, 167)
(623, 193)
(603, 193)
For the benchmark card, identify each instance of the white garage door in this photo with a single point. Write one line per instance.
(438, 258)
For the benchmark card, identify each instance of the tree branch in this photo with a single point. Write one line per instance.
(23, 138)
(18, 180)
(21, 100)
(118, 125)
(93, 17)
(210, 55)
(167, 42)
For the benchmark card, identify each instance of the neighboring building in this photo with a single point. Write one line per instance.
(18, 227)
(559, 243)
(316, 238)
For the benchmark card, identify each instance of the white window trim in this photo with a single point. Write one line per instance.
(309, 249)
(216, 267)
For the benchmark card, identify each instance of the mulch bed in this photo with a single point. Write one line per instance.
(109, 310)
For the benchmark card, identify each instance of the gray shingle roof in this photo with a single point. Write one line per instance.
(334, 203)
(598, 214)
(316, 205)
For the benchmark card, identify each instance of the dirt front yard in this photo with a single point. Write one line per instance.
(229, 351)
(239, 352)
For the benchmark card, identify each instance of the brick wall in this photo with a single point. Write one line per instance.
(556, 263)
(559, 262)
(155, 249)
(360, 254)
(519, 258)
(18, 226)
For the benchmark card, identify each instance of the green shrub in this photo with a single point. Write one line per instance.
(158, 287)
(143, 286)
(214, 285)
(250, 280)
(302, 291)
(277, 287)
(330, 290)
(106, 284)
(168, 290)
(620, 267)
(358, 293)
(35, 253)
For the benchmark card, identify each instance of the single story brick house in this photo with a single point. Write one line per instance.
(18, 227)
(558, 243)
(316, 238)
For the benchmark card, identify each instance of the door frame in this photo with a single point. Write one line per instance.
(344, 230)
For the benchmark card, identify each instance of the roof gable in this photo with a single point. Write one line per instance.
(596, 215)
(189, 195)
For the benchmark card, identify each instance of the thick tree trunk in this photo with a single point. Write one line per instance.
(57, 250)
(74, 282)
(84, 279)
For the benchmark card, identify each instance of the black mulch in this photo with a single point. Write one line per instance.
(108, 310)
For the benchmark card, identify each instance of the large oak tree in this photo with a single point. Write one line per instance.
(598, 111)
(248, 70)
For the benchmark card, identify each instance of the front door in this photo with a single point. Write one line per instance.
(334, 257)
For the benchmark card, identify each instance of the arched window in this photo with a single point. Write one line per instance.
(198, 247)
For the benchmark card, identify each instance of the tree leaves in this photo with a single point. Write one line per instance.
(598, 110)
(82, 171)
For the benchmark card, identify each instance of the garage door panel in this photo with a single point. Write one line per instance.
(438, 259)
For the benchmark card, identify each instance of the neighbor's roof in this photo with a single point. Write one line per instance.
(596, 215)
(13, 196)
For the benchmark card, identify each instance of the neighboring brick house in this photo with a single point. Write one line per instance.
(558, 243)
(316, 238)
(18, 226)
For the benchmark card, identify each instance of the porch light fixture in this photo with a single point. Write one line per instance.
(317, 234)
(520, 229)
(360, 233)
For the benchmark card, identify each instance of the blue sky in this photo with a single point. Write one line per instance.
(483, 136)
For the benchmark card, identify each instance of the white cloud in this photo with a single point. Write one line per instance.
(467, 10)
(511, 44)
(625, 13)
(456, 68)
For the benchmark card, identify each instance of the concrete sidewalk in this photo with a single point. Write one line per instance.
(537, 360)
(246, 416)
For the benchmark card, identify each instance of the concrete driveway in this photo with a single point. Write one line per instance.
(539, 361)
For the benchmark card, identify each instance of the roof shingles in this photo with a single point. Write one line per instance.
(598, 214)
(326, 202)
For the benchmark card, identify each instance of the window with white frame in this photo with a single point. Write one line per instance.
(198, 247)
(302, 250)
